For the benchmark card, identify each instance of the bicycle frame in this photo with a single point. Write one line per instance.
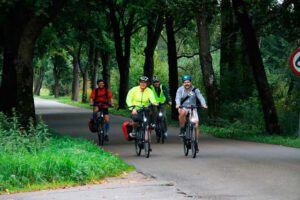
(160, 129)
(189, 139)
(101, 131)
(142, 140)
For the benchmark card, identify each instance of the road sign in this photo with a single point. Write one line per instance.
(295, 62)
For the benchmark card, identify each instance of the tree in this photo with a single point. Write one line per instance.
(155, 21)
(23, 24)
(172, 61)
(209, 78)
(269, 110)
(123, 21)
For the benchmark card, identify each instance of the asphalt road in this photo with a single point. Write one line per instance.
(223, 169)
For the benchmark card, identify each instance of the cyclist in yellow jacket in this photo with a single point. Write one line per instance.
(139, 96)
(161, 94)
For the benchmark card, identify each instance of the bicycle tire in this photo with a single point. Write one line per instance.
(162, 130)
(158, 133)
(147, 144)
(193, 143)
(100, 133)
(185, 148)
(100, 138)
(137, 147)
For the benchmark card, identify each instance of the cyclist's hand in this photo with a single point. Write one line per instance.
(177, 106)
(133, 112)
(204, 106)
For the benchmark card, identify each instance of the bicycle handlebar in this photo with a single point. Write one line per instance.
(190, 107)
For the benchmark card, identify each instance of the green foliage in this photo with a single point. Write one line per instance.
(34, 157)
(14, 137)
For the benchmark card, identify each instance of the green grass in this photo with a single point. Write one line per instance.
(231, 131)
(39, 159)
(254, 136)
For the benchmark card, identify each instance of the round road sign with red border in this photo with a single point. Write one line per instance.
(295, 61)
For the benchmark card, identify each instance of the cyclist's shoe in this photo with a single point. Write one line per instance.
(132, 134)
(106, 138)
(95, 126)
(181, 134)
(197, 149)
(107, 127)
(166, 134)
(152, 125)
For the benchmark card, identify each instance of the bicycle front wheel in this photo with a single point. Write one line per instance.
(138, 149)
(194, 143)
(147, 144)
(100, 135)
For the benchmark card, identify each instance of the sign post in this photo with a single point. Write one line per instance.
(295, 66)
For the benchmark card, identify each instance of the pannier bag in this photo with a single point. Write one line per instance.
(127, 128)
(91, 122)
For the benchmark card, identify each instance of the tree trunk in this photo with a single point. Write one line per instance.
(153, 32)
(123, 57)
(228, 51)
(207, 68)
(93, 63)
(172, 61)
(75, 82)
(105, 59)
(269, 110)
(20, 33)
(56, 74)
(85, 77)
(38, 83)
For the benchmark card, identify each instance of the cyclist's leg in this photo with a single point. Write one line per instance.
(196, 121)
(182, 120)
(106, 118)
(95, 110)
(136, 119)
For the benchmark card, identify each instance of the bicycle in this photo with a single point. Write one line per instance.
(142, 139)
(160, 128)
(189, 139)
(100, 124)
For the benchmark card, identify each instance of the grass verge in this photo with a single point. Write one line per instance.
(39, 159)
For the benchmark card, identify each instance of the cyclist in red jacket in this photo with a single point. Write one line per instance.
(101, 96)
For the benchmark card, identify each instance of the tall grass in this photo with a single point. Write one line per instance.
(34, 158)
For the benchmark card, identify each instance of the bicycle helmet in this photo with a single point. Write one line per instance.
(186, 78)
(100, 80)
(144, 79)
(155, 79)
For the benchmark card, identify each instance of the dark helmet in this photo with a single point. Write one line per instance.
(144, 79)
(155, 79)
(100, 80)
(186, 78)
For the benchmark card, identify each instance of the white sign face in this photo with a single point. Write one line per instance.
(295, 61)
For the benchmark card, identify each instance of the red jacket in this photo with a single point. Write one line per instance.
(103, 95)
